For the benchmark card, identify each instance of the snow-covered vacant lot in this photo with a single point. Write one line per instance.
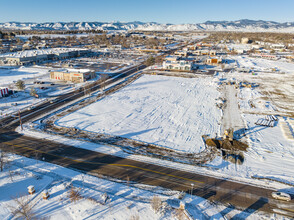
(271, 149)
(275, 88)
(171, 112)
(9, 75)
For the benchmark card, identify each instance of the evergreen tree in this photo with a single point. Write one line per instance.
(150, 61)
(20, 84)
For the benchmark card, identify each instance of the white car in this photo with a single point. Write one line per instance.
(31, 107)
(281, 196)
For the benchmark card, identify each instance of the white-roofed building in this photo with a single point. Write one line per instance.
(37, 56)
(176, 63)
(73, 75)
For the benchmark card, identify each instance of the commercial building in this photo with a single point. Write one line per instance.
(204, 52)
(4, 92)
(214, 60)
(73, 75)
(36, 56)
(177, 63)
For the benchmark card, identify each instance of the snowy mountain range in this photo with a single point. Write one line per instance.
(239, 25)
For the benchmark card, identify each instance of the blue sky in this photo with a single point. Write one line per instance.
(162, 11)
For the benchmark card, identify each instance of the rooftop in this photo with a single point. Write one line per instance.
(32, 53)
(73, 70)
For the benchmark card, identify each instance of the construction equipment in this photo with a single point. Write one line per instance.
(229, 134)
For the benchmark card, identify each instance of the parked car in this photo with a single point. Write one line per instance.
(31, 107)
(281, 196)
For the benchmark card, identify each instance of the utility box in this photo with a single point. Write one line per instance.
(45, 194)
(31, 189)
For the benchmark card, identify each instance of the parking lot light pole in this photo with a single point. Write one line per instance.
(192, 185)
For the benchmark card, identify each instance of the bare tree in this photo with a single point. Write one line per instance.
(37, 155)
(11, 174)
(33, 91)
(23, 208)
(180, 214)
(3, 159)
(155, 203)
(74, 194)
(223, 67)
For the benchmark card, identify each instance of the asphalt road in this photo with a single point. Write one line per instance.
(246, 197)
(242, 196)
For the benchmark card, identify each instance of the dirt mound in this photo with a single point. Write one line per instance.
(226, 144)
(213, 143)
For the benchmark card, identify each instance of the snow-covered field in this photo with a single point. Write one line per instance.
(9, 75)
(263, 64)
(275, 91)
(171, 112)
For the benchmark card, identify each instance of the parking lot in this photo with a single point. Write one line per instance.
(99, 62)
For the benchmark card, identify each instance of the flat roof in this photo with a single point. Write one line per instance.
(73, 70)
(32, 53)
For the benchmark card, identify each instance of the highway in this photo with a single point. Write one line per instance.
(242, 196)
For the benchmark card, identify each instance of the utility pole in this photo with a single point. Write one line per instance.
(20, 122)
(192, 184)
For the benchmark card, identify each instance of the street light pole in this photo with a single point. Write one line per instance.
(192, 184)
(20, 122)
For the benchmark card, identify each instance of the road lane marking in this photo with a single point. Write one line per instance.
(290, 210)
(113, 164)
(153, 171)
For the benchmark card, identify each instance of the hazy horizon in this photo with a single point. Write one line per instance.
(172, 11)
(144, 21)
